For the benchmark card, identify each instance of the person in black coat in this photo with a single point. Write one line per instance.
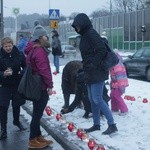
(12, 63)
(93, 51)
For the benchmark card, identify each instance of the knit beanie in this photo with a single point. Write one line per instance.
(38, 32)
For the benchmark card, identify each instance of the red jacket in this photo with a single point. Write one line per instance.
(40, 63)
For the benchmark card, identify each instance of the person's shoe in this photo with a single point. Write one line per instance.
(111, 129)
(123, 113)
(41, 139)
(3, 135)
(34, 143)
(93, 128)
(19, 125)
(86, 115)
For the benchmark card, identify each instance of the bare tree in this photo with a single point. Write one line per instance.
(99, 13)
(130, 5)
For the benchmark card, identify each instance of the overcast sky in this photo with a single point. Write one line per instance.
(66, 7)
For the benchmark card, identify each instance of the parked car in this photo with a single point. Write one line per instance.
(139, 63)
(68, 50)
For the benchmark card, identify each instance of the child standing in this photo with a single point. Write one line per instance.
(118, 83)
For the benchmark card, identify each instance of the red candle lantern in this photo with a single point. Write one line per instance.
(71, 127)
(84, 136)
(100, 147)
(47, 108)
(91, 144)
(58, 116)
(49, 112)
(53, 92)
(145, 100)
(132, 98)
(125, 97)
(79, 133)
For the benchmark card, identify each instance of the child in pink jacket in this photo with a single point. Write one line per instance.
(119, 82)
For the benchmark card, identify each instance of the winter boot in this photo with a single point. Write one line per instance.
(86, 115)
(93, 128)
(111, 129)
(34, 143)
(42, 139)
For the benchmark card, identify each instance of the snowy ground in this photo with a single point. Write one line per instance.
(134, 131)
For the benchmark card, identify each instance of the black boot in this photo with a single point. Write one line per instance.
(93, 128)
(111, 129)
(19, 125)
(86, 115)
(3, 135)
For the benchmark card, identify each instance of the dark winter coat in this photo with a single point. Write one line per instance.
(40, 63)
(92, 50)
(9, 85)
(56, 46)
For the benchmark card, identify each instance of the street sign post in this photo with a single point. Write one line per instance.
(54, 24)
(54, 16)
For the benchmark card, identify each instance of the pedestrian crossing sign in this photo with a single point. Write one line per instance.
(54, 24)
(54, 14)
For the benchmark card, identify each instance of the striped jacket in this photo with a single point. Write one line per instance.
(118, 75)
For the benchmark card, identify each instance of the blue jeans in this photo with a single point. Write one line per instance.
(56, 62)
(38, 109)
(95, 93)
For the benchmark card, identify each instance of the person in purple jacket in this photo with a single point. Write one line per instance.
(40, 64)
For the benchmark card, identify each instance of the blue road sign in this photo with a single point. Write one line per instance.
(54, 14)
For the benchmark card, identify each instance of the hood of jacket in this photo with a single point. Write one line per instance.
(83, 22)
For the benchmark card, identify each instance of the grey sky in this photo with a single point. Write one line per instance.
(66, 7)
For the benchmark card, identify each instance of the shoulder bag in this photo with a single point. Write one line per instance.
(110, 60)
(30, 84)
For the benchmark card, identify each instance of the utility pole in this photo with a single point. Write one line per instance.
(110, 34)
(1, 20)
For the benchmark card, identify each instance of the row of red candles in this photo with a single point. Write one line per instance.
(132, 98)
(79, 132)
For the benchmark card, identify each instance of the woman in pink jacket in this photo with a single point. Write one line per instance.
(119, 82)
(40, 64)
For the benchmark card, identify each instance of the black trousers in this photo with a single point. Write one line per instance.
(38, 109)
(3, 118)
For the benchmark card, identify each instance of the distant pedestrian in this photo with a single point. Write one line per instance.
(40, 64)
(21, 43)
(118, 84)
(93, 51)
(56, 49)
(12, 63)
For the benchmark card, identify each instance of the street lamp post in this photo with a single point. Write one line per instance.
(1, 20)
(110, 23)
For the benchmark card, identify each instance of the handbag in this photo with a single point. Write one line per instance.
(30, 84)
(110, 60)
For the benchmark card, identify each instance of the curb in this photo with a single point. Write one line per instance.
(56, 133)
